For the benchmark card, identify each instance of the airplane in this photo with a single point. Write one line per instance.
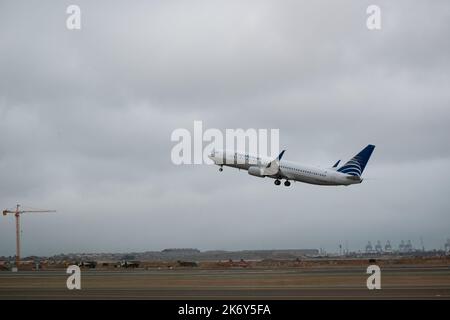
(349, 173)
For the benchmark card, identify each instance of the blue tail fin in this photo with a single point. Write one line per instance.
(355, 166)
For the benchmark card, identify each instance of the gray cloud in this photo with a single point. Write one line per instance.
(86, 118)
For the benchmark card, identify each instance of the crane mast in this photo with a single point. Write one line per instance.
(17, 212)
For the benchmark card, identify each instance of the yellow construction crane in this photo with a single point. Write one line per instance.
(17, 214)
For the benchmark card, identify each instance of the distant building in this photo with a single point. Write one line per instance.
(401, 246)
(409, 247)
(369, 248)
(447, 246)
(378, 247)
(388, 247)
(181, 250)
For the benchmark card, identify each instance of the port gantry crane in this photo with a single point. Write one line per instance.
(17, 214)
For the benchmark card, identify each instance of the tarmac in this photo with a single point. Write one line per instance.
(408, 282)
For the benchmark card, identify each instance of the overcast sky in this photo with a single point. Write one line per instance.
(86, 118)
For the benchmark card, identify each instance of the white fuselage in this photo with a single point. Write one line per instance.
(287, 170)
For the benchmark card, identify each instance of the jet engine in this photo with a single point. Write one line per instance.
(256, 171)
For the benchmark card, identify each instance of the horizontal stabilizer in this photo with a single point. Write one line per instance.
(336, 164)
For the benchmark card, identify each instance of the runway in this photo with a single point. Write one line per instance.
(295, 283)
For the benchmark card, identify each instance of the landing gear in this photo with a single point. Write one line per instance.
(220, 169)
(277, 182)
(287, 183)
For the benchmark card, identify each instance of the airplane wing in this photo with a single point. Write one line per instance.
(274, 166)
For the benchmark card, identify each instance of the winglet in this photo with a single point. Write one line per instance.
(336, 164)
(281, 155)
